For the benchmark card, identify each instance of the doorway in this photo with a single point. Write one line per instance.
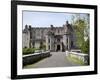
(58, 48)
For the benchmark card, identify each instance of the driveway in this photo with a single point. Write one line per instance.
(58, 59)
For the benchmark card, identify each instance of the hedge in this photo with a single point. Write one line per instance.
(29, 50)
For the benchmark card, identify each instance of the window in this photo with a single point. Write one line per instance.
(49, 40)
(49, 47)
(58, 40)
(67, 40)
(58, 30)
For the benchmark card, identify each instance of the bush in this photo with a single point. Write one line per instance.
(85, 47)
(42, 46)
(28, 51)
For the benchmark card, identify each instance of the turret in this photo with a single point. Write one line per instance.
(67, 23)
(51, 27)
(26, 26)
(29, 27)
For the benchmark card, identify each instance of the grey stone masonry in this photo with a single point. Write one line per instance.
(58, 38)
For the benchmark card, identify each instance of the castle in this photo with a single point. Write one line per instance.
(54, 38)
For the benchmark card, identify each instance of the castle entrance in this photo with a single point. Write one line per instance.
(58, 48)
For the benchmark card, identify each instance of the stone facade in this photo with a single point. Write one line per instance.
(54, 38)
(26, 37)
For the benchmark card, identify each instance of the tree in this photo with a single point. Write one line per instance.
(81, 28)
(85, 46)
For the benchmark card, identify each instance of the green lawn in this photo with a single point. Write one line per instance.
(75, 60)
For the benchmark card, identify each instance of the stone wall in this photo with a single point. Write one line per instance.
(32, 58)
(37, 44)
(25, 39)
(79, 56)
(38, 34)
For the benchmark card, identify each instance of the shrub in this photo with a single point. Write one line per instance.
(42, 46)
(85, 47)
(28, 51)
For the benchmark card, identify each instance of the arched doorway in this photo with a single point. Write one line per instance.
(58, 48)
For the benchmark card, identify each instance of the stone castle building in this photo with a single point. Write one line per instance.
(54, 38)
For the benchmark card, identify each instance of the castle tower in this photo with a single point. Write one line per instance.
(30, 30)
(26, 37)
(66, 36)
(50, 39)
(26, 26)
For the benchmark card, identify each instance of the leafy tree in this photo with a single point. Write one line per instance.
(81, 28)
(85, 46)
(79, 31)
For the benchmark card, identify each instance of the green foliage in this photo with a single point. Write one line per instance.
(28, 50)
(85, 47)
(42, 46)
(81, 28)
(75, 60)
(79, 31)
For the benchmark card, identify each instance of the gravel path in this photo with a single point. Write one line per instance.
(58, 59)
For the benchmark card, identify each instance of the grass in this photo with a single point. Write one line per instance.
(29, 66)
(75, 60)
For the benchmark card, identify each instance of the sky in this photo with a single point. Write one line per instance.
(45, 19)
